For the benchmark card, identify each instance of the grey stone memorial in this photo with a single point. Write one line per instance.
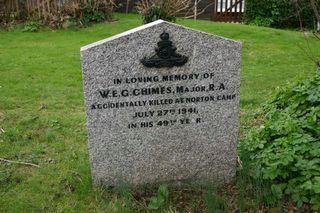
(162, 105)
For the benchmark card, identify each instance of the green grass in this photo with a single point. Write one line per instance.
(43, 119)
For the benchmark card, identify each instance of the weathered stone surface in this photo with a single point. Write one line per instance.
(189, 114)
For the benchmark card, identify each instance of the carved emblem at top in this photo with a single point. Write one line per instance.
(166, 55)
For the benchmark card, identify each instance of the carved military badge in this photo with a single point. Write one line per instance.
(166, 55)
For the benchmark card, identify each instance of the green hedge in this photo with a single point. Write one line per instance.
(279, 13)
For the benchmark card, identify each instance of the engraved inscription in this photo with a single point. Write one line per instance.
(170, 96)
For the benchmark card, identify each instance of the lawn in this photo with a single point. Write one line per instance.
(42, 118)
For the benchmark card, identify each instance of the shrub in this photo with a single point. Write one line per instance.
(279, 13)
(263, 22)
(54, 13)
(152, 10)
(286, 148)
(156, 12)
(91, 12)
(32, 26)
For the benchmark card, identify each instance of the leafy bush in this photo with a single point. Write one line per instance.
(279, 13)
(154, 13)
(263, 22)
(152, 10)
(91, 13)
(286, 148)
(32, 26)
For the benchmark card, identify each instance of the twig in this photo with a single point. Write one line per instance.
(239, 161)
(19, 162)
(316, 35)
(198, 13)
(308, 52)
(315, 9)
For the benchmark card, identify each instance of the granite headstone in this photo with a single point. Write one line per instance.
(162, 104)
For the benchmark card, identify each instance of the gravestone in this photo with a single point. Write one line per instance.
(162, 105)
